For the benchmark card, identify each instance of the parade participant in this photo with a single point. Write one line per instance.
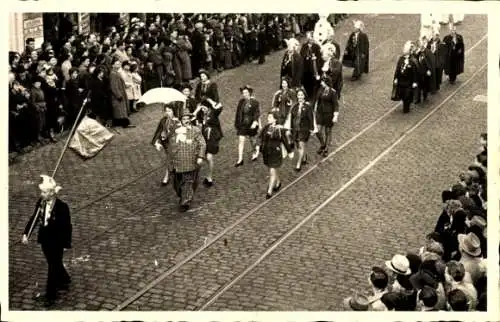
(323, 30)
(438, 49)
(190, 100)
(247, 122)
(164, 131)
(425, 70)
(326, 112)
(332, 68)
(206, 88)
(292, 64)
(427, 22)
(283, 101)
(188, 153)
(212, 133)
(275, 146)
(454, 64)
(405, 78)
(54, 234)
(357, 51)
(311, 57)
(302, 123)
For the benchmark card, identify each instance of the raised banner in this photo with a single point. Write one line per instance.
(84, 23)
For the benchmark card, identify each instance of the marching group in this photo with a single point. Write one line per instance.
(48, 86)
(449, 272)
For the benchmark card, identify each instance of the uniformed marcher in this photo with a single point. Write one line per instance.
(357, 51)
(332, 68)
(312, 62)
(292, 64)
(282, 103)
(212, 132)
(426, 70)
(454, 64)
(405, 78)
(52, 215)
(326, 112)
(188, 153)
(439, 51)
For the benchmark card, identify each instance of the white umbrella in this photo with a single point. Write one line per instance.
(163, 95)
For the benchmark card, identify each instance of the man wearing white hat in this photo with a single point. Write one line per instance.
(54, 234)
(356, 53)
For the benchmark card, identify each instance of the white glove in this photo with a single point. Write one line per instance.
(428, 73)
(395, 81)
(158, 146)
(291, 155)
(25, 240)
(335, 117)
(254, 124)
(414, 85)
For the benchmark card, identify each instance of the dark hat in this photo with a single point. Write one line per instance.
(446, 195)
(423, 278)
(185, 85)
(248, 88)
(204, 71)
(458, 190)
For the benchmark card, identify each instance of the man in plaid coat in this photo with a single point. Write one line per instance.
(188, 151)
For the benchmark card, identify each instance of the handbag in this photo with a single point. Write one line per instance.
(395, 93)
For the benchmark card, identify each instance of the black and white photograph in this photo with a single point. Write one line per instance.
(247, 161)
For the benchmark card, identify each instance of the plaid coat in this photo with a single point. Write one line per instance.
(187, 145)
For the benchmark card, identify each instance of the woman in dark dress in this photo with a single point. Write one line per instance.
(212, 133)
(247, 122)
(302, 123)
(283, 101)
(206, 88)
(165, 129)
(327, 111)
(273, 145)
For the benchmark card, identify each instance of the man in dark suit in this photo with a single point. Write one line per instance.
(54, 234)
(311, 65)
(454, 64)
(357, 50)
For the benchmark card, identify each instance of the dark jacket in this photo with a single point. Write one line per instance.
(58, 232)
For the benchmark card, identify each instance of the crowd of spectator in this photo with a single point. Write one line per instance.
(449, 271)
(47, 86)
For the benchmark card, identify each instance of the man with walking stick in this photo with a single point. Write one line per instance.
(54, 234)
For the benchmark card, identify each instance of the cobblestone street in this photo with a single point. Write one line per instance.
(133, 250)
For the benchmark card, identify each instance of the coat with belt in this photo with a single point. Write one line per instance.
(119, 100)
(58, 232)
(187, 144)
(185, 48)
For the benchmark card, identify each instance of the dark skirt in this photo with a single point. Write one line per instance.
(300, 136)
(247, 131)
(325, 119)
(213, 140)
(273, 157)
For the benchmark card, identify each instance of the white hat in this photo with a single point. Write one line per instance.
(358, 24)
(48, 184)
(399, 264)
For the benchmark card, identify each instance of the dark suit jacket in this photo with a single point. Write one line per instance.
(211, 92)
(409, 76)
(456, 55)
(244, 120)
(292, 69)
(59, 230)
(306, 122)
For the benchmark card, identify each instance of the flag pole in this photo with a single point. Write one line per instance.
(73, 128)
(70, 135)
